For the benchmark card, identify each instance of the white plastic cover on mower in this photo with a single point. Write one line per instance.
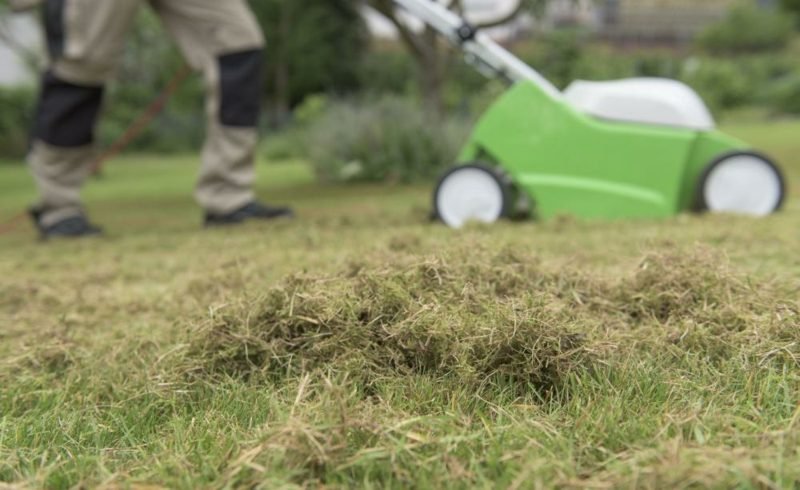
(655, 101)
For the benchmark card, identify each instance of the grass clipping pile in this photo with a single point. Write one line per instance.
(401, 315)
(483, 316)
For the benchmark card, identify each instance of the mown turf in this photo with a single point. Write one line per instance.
(361, 346)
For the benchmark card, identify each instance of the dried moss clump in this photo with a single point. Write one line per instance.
(677, 285)
(483, 320)
(706, 307)
(495, 315)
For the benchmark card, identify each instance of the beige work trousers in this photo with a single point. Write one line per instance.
(91, 39)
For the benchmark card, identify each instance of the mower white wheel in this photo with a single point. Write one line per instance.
(470, 193)
(743, 183)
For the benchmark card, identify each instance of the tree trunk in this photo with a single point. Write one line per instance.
(283, 98)
(282, 105)
(431, 84)
(431, 72)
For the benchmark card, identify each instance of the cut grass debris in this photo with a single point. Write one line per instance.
(498, 314)
(705, 307)
(496, 331)
(470, 366)
(400, 315)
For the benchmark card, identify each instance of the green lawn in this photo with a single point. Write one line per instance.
(363, 346)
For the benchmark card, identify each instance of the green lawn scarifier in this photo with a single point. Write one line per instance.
(639, 148)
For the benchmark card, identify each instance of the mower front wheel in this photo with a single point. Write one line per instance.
(746, 183)
(472, 193)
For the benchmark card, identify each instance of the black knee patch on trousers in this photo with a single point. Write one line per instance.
(67, 113)
(241, 80)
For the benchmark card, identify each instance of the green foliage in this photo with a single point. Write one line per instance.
(792, 6)
(721, 84)
(565, 55)
(462, 87)
(16, 120)
(285, 144)
(180, 127)
(387, 71)
(312, 108)
(147, 66)
(657, 64)
(748, 80)
(388, 139)
(290, 141)
(783, 95)
(603, 65)
(748, 28)
(314, 46)
(558, 56)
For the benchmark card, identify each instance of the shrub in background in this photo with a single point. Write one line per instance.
(783, 95)
(464, 84)
(732, 83)
(556, 55)
(382, 140)
(290, 141)
(720, 83)
(568, 55)
(145, 68)
(387, 70)
(603, 64)
(793, 7)
(314, 46)
(286, 144)
(748, 28)
(16, 120)
(181, 127)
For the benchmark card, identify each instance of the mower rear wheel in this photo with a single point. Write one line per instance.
(471, 193)
(744, 183)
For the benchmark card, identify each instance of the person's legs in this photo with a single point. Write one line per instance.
(85, 38)
(223, 39)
